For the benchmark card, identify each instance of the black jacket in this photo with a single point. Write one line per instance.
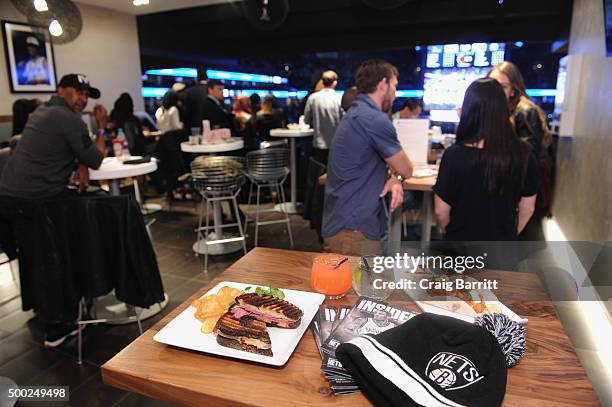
(193, 105)
(79, 247)
(218, 117)
(263, 123)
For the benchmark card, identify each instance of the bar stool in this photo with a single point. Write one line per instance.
(268, 168)
(218, 179)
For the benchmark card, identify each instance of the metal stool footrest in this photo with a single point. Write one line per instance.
(268, 168)
(218, 179)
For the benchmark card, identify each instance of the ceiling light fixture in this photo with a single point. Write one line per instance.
(55, 28)
(41, 5)
(140, 2)
(264, 12)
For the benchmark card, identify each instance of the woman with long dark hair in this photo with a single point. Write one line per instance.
(530, 124)
(487, 183)
(269, 117)
(22, 109)
(122, 117)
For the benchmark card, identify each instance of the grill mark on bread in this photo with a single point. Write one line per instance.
(273, 304)
(247, 327)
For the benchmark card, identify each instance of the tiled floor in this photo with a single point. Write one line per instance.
(24, 360)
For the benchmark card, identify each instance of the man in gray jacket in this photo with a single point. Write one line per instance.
(54, 140)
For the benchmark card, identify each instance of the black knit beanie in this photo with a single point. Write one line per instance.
(435, 360)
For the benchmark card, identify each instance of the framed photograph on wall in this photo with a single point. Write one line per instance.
(29, 58)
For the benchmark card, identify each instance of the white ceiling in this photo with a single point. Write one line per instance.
(154, 6)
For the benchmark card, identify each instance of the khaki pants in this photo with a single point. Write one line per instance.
(350, 243)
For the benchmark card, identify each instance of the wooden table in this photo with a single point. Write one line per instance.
(549, 375)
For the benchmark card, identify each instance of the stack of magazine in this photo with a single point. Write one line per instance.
(333, 326)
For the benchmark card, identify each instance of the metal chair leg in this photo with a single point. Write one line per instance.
(206, 235)
(137, 314)
(80, 333)
(14, 275)
(246, 217)
(282, 198)
(257, 215)
(199, 234)
(239, 224)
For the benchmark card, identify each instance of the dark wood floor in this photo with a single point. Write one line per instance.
(24, 360)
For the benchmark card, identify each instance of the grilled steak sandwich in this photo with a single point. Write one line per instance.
(246, 334)
(265, 308)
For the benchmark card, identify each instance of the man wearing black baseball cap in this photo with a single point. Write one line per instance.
(54, 142)
(54, 139)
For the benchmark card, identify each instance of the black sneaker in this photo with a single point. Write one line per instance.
(57, 334)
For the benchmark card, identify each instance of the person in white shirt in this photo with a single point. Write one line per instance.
(323, 113)
(33, 70)
(167, 115)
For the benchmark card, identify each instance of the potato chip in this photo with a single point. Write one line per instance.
(225, 291)
(235, 293)
(208, 325)
(210, 308)
(223, 301)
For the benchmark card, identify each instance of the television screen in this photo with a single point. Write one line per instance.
(444, 88)
(478, 54)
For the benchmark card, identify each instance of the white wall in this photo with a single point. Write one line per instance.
(106, 51)
(583, 198)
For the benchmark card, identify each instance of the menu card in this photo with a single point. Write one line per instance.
(412, 135)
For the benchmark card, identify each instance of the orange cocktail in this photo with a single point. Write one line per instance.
(331, 275)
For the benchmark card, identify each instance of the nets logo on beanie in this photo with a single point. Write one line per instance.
(451, 371)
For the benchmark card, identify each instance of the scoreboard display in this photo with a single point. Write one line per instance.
(477, 55)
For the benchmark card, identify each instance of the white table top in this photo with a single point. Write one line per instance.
(234, 143)
(112, 168)
(291, 132)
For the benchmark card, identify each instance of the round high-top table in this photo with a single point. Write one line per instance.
(220, 146)
(293, 206)
(113, 170)
(209, 147)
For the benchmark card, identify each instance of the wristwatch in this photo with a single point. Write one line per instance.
(400, 178)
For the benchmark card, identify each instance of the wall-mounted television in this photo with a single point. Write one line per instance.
(449, 69)
(477, 54)
(444, 88)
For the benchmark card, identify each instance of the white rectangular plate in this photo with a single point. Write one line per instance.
(184, 330)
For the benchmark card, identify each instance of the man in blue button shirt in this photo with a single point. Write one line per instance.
(366, 162)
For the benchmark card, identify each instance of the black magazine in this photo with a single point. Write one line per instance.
(368, 316)
(314, 326)
(323, 323)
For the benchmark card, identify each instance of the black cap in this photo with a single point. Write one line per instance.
(435, 360)
(79, 81)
